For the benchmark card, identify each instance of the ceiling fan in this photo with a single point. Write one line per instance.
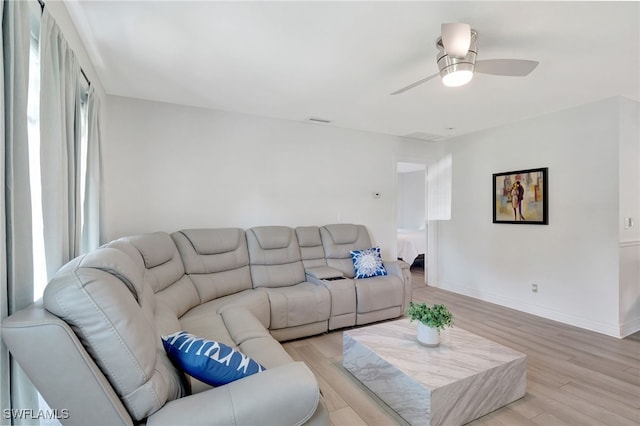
(457, 51)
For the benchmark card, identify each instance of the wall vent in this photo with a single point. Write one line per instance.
(423, 136)
(319, 120)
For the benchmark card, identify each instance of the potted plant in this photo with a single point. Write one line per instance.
(431, 320)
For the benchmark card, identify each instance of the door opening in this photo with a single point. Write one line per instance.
(411, 222)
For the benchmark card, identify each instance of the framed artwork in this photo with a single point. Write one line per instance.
(521, 197)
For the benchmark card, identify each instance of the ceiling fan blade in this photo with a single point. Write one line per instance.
(417, 83)
(456, 39)
(506, 67)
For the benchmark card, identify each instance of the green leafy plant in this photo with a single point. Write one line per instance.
(436, 316)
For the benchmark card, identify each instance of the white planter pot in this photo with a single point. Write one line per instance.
(428, 336)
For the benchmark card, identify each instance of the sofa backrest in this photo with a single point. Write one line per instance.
(338, 240)
(216, 260)
(274, 256)
(104, 298)
(311, 250)
(165, 273)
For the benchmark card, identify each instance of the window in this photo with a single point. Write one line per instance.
(84, 108)
(25, 398)
(33, 117)
(33, 106)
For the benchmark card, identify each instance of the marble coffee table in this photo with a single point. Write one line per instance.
(464, 378)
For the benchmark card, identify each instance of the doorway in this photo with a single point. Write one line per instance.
(411, 218)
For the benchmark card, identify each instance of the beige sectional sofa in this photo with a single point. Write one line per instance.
(93, 344)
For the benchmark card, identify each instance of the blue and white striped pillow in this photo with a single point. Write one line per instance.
(209, 361)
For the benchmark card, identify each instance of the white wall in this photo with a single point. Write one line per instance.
(629, 207)
(169, 167)
(575, 259)
(411, 199)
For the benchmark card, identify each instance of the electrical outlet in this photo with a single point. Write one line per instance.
(628, 222)
(534, 288)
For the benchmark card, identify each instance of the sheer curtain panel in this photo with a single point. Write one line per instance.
(16, 258)
(59, 146)
(92, 227)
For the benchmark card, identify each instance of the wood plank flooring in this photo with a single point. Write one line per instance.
(574, 377)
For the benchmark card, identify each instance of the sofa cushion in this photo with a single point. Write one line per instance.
(311, 249)
(368, 263)
(274, 256)
(161, 259)
(301, 304)
(209, 361)
(214, 241)
(338, 240)
(378, 293)
(256, 302)
(273, 237)
(309, 236)
(344, 233)
(216, 260)
(165, 271)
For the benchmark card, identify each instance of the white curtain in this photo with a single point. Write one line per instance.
(59, 146)
(92, 228)
(16, 259)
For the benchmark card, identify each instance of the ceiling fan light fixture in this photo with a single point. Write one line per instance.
(456, 39)
(456, 65)
(454, 71)
(456, 78)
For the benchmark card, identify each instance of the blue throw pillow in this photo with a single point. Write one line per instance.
(368, 263)
(207, 360)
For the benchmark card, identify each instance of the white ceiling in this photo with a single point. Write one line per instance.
(341, 60)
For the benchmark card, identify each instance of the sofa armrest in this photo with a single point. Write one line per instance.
(396, 267)
(284, 395)
(52, 356)
(402, 270)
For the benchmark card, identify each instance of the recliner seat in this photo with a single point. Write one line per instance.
(298, 307)
(341, 288)
(217, 261)
(377, 298)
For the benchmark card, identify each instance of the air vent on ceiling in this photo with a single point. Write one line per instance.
(319, 120)
(423, 136)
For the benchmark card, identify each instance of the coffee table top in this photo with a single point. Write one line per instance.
(461, 354)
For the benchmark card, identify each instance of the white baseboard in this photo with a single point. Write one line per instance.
(614, 330)
(629, 327)
(630, 243)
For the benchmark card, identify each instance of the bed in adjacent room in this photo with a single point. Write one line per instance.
(411, 244)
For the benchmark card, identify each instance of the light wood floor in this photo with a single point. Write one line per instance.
(574, 376)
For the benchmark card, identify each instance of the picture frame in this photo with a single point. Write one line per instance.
(529, 189)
